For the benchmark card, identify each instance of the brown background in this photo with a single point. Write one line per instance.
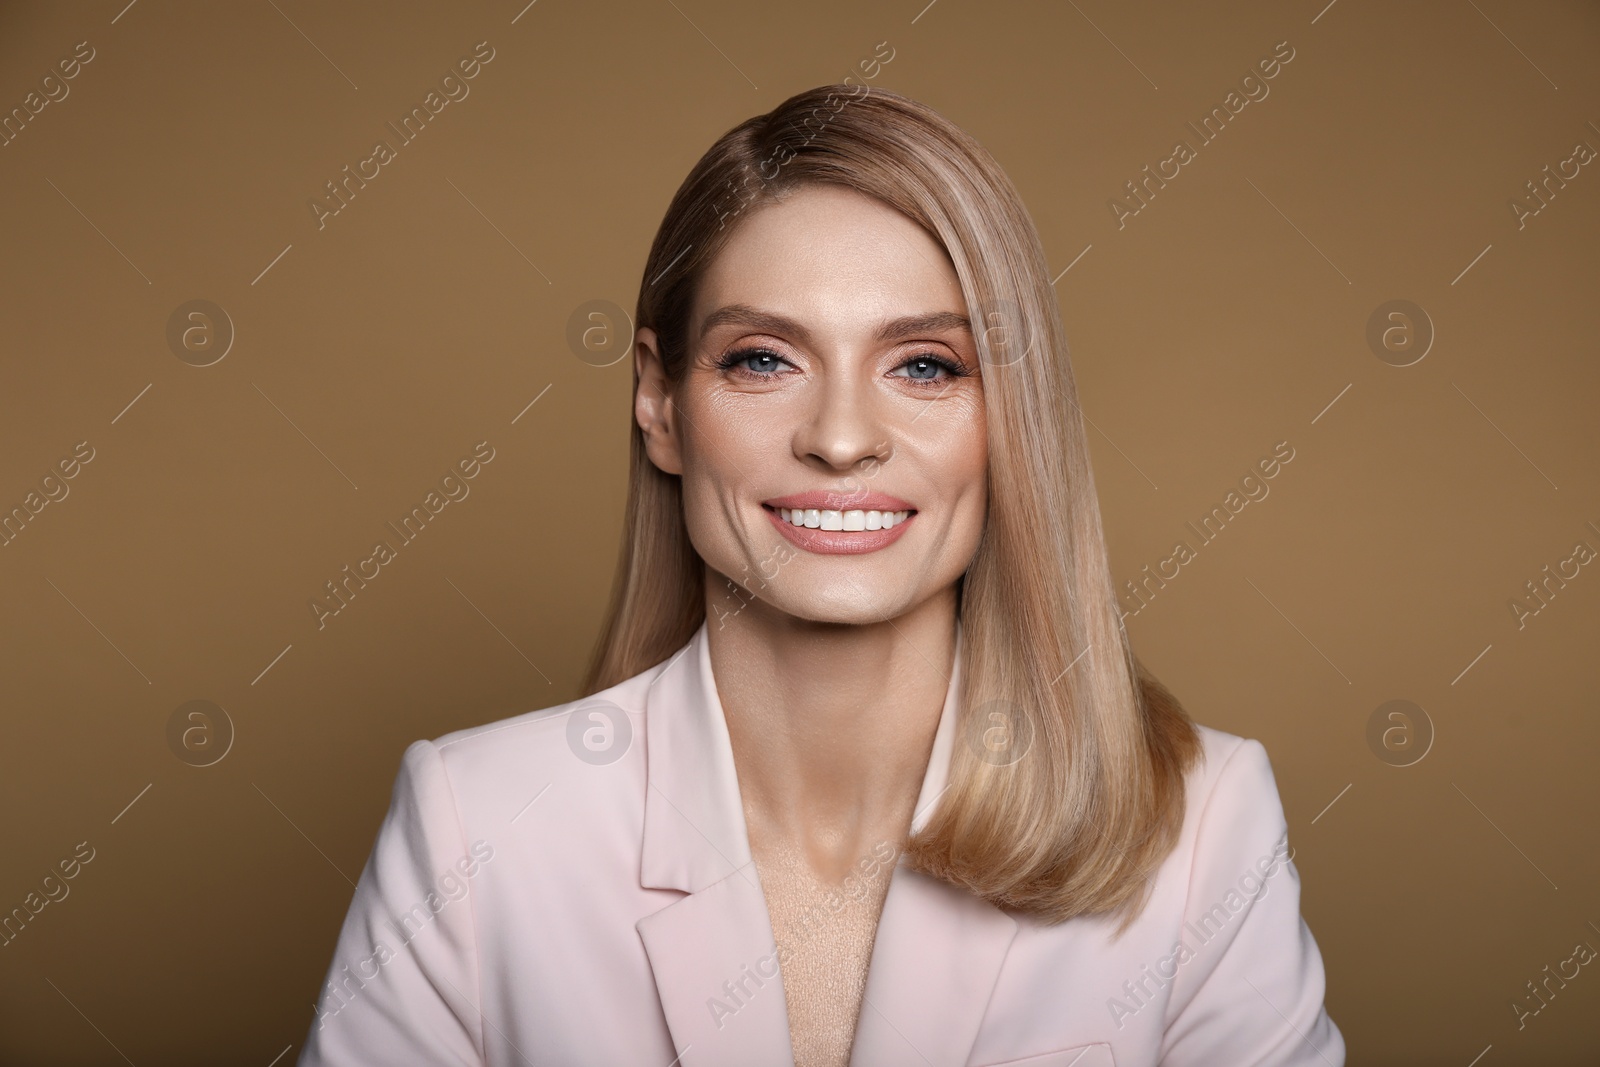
(1228, 315)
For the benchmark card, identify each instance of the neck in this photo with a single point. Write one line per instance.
(831, 724)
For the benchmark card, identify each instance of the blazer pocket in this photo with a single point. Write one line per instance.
(1096, 1055)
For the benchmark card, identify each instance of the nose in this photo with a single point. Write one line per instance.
(845, 427)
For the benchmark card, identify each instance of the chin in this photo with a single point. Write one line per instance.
(846, 607)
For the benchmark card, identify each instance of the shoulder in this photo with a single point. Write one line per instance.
(1229, 764)
(497, 761)
(1233, 805)
(1241, 937)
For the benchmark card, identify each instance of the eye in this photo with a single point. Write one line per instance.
(926, 369)
(757, 362)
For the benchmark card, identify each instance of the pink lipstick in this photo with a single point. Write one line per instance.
(840, 523)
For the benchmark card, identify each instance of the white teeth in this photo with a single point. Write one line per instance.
(818, 519)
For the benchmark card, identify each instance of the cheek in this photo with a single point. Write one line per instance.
(716, 435)
(960, 466)
(703, 510)
(725, 451)
(733, 440)
(959, 451)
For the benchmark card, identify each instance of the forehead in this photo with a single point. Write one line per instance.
(830, 253)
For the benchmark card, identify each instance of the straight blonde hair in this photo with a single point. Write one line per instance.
(1084, 795)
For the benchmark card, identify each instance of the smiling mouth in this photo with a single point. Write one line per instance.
(844, 521)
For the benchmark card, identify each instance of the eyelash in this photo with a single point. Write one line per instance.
(733, 359)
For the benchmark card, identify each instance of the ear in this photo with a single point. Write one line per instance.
(652, 404)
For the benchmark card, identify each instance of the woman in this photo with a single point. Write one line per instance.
(869, 774)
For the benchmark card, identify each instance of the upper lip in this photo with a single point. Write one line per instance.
(836, 500)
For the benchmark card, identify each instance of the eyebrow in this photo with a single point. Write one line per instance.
(893, 329)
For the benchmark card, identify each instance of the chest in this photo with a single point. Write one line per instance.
(825, 934)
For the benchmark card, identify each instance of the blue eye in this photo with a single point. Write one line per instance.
(927, 368)
(756, 360)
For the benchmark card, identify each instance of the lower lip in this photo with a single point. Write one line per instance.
(838, 542)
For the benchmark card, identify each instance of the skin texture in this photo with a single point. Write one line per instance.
(832, 669)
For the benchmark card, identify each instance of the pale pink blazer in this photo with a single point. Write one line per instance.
(528, 905)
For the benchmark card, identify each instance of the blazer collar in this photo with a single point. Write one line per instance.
(694, 827)
(938, 949)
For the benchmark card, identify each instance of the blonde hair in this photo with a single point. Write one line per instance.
(1095, 800)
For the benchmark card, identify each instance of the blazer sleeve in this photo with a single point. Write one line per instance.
(1249, 988)
(404, 985)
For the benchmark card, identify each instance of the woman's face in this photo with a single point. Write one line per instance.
(832, 380)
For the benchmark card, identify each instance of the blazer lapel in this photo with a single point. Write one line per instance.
(716, 971)
(939, 949)
(934, 966)
(712, 953)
